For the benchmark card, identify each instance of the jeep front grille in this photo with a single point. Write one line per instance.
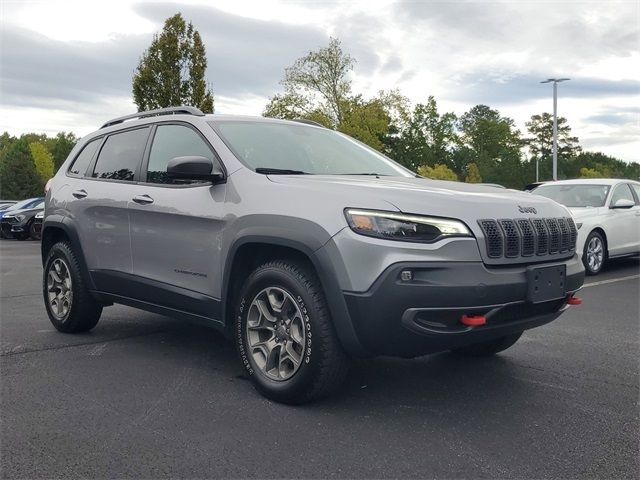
(523, 237)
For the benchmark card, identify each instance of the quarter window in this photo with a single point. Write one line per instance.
(172, 141)
(121, 154)
(83, 160)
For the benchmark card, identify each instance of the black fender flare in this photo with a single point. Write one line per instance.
(57, 221)
(328, 279)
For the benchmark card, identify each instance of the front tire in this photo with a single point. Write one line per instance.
(69, 304)
(490, 347)
(595, 253)
(284, 334)
(33, 233)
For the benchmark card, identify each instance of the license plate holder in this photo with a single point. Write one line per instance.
(546, 283)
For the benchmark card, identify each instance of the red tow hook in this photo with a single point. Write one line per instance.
(473, 320)
(573, 300)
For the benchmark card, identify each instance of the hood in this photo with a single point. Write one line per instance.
(582, 212)
(464, 201)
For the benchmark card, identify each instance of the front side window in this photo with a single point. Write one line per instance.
(303, 148)
(83, 160)
(636, 188)
(121, 155)
(621, 192)
(172, 141)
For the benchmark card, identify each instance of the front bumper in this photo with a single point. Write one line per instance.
(10, 228)
(422, 315)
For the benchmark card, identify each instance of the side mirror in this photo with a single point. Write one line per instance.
(195, 168)
(623, 203)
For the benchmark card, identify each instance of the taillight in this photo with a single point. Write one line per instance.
(47, 186)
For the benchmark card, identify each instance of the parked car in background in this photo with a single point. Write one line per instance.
(22, 204)
(607, 214)
(17, 223)
(4, 204)
(36, 226)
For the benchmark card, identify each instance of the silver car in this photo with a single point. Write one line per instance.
(306, 247)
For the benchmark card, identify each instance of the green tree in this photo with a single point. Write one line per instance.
(317, 87)
(316, 83)
(365, 120)
(590, 173)
(438, 172)
(18, 176)
(43, 160)
(540, 142)
(171, 71)
(426, 137)
(492, 142)
(473, 174)
(6, 141)
(60, 146)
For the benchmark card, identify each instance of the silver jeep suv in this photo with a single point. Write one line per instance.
(303, 245)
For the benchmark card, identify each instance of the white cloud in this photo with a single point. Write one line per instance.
(68, 64)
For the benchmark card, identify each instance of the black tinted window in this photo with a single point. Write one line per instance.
(172, 141)
(121, 155)
(83, 160)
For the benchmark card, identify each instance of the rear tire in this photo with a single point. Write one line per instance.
(284, 334)
(69, 304)
(488, 348)
(32, 232)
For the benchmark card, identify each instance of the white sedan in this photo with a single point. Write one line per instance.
(607, 214)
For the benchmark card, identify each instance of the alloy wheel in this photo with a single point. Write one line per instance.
(59, 289)
(276, 333)
(595, 254)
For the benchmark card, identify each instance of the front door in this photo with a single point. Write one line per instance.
(176, 227)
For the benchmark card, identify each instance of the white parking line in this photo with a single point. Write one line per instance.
(611, 280)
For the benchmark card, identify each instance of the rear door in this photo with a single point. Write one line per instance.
(176, 226)
(100, 180)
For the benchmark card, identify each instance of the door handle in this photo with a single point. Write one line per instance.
(143, 199)
(80, 193)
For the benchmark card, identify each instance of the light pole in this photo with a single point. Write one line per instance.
(555, 82)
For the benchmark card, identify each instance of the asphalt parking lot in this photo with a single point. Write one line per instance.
(145, 396)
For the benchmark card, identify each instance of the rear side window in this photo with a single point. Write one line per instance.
(172, 141)
(121, 155)
(83, 160)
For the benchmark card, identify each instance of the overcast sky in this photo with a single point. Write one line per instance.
(68, 65)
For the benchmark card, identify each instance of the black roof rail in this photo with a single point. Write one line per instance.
(308, 122)
(153, 113)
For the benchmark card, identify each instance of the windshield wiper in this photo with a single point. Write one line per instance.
(279, 171)
(368, 173)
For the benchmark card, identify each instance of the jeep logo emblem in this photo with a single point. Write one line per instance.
(527, 209)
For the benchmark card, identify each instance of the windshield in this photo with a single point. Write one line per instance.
(293, 148)
(575, 195)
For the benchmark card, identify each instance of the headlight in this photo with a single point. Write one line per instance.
(40, 214)
(400, 226)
